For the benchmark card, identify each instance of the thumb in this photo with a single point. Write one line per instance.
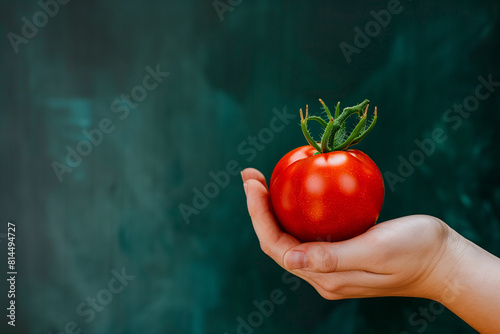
(325, 257)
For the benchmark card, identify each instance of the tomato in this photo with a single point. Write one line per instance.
(326, 197)
(330, 196)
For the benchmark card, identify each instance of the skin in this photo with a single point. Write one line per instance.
(413, 256)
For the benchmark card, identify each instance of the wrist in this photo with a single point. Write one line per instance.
(455, 265)
(467, 281)
(445, 279)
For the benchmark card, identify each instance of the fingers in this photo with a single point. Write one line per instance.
(273, 241)
(252, 173)
(336, 270)
(324, 257)
(350, 284)
(345, 282)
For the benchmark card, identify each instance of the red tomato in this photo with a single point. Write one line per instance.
(331, 196)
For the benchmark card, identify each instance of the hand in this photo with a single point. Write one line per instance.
(401, 257)
(414, 256)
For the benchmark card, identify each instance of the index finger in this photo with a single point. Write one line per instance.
(273, 241)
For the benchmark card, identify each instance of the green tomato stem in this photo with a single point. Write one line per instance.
(353, 135)
(318, 119)
(337, 110)
(326, 137)
(367, 131)
(328, 141)
(303, 124)
(328, 114)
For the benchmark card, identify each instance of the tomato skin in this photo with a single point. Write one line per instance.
(331, 196)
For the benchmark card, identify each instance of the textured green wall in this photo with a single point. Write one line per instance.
(119, 207)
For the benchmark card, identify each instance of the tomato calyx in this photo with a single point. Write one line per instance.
(335, 136)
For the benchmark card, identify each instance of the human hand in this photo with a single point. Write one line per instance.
(409, 256)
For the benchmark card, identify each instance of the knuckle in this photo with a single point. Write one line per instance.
(332, 286)
(325, 259)
(382, 246)
(437, 224)
(265, 248)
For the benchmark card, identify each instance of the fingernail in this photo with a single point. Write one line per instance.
(296, 260)
(245, 186)
(242, 177)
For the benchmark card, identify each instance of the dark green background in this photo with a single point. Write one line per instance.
(119, 208)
